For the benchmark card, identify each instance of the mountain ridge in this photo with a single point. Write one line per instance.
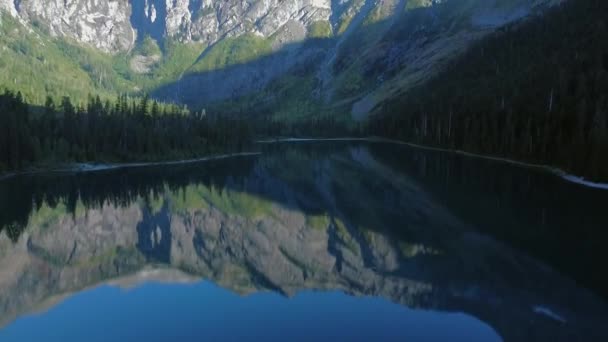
(366, 47)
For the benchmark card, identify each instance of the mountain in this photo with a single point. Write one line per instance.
(305, 55)
(532, 91)
(516, 79)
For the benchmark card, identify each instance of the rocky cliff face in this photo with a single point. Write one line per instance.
(114, 25)
(103, 24)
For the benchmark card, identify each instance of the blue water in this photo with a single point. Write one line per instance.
(448, 248)
(203, 311)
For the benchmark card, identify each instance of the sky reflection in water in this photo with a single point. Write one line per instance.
(203, 311)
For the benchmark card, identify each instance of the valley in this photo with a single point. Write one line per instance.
(335, 68)
(332, 170)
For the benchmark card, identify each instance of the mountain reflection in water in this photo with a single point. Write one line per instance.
(429, 232)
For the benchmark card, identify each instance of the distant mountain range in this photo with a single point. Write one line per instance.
(292, 57)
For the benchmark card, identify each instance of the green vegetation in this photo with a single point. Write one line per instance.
(291, 104)
(178, 57)
(344, 24)
(175, 59)
(410, 250)
(361, 58)
(153, 202)
(374, 16)
(318, 222)
(413, 4)
(239, 203)
(189, 198)
(295, 101)
(233, 203)
(535, 91)
(47, 215)
(350, 83)
(41, 66)
(231, 51)
(342, 232)
(148, 47)
(320, 29)
(99, 67)
(126, 130)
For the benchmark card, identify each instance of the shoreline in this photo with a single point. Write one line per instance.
(94, 167)
(571, 178)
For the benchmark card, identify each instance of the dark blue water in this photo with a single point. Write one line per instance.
(307, 241)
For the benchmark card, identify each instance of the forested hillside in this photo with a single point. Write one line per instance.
(125, 130)
(535, 91)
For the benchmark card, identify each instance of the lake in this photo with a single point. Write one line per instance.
(305, 241)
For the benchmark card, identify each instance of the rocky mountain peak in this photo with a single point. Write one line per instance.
(115, 25)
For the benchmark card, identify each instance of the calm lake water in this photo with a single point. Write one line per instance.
(306, 241)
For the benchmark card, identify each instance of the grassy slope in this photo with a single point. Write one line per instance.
(359, 67)
(362, 65)
(38, 65)
(176, 58)
(231, 51)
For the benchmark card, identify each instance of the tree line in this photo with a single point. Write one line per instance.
(123, 130)
(535, 91)
(120, 189)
